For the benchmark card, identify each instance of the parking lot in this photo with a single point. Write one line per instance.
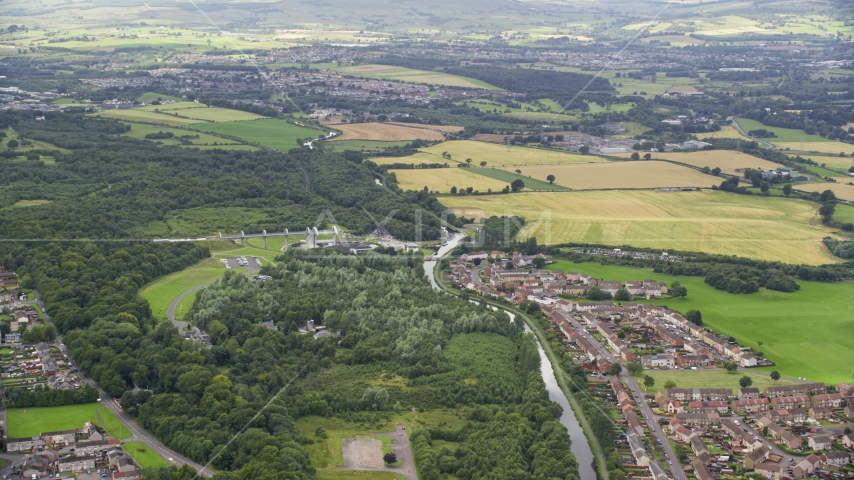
(251, 264)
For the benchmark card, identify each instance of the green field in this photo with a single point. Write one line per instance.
(508, 177)
(161, 292)
(144, 456)
(808, 333)
(701, 221)
(137, 115)
(369, 145)
(390, 72)
(494, 154)
(152, 96)
(276, 134)
(29, 422)
(709, 379)
(140, 130)
(783, 134)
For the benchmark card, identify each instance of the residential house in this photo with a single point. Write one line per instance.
(848, 440)
(757, 455)
(798, 389)
(75, 464)
(688, 361)
(829, 400)
(835, 459)
(798, 401)
(658, 361)
(750, 405)
(699, 394)
(700, 450)
(638, 452)
(699, 419)
(769, 470)
(27, 444)
(748, 393)
(820, 442)
(684, 434)
(708, 407)
(63, 437)
(806, 466)
(820, 413)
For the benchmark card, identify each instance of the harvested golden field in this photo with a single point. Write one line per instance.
(726, 131)
(384, 132)
(417, 159)
(704, 221)
(845, 192)
(819, 147)
(640, 174)
(440, 128)
(442, 179)
(495, 155)
(727, 160)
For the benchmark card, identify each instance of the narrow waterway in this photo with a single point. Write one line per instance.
(580, 447)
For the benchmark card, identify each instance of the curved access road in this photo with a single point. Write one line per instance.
(741, 131)
(170, 312)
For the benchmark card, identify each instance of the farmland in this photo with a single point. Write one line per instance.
(837, 162)
(825, 146)
(808, 333)
(384, 132)
(137, 115)
(276, 134)
(726, 131)
(390, 72)
(707, 221)
(495, 154)
(140, 130)
(33, 421)
(440, 128)
(442, 179)
(640, 174)
(783, 134)
(845, 192)
(727, 160)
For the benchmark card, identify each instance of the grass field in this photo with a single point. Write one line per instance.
(29, 422)
(783, 134)
(140, 130)
(137, 115)
(161, 292)
(391, 72)
(727, 160)
(495, 154)
(144, 456)
(440, 128)
(835, 161)
(808, 333)
(30, 203)
(641, 174)
(370, 145)
(707, 221)
(152, 96)
(845, 192)
(276, 134)
(709, 379)
(508, 175)
(383, 132)
(824, 146)
(442, 179)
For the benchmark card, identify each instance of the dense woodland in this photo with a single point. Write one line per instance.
(391, 322)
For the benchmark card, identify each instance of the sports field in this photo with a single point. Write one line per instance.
(383, 132)
(642, 174)
(391, 72)
(710, 379)
(808, 333)
(727, 160)
(495, 154)
(442, 179)
(269, 132)
(707, 221)
(161, 292)
(29, 422)
(845, 192)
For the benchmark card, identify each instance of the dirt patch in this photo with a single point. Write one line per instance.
(363, 452)
(384, 132)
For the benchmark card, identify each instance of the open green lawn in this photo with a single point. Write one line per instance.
(29, 422)
(140, 130)
(144, 456)
(269, 132)
(161, 292)
(808, 333)
(138, 115)
(708, 379)
(783, 134)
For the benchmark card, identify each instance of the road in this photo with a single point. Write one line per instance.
(738, 127)
(139, 434)
(776, 450)
(652, 420)
(170, 312)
